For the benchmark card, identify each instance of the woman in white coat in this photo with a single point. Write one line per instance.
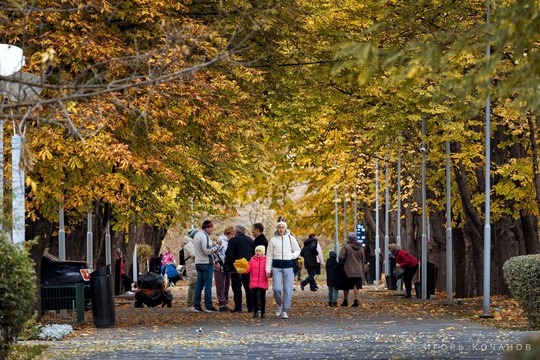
(282, 249)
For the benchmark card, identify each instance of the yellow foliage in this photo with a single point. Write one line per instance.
(241, 265)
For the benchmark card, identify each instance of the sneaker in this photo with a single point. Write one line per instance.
(355, 303)
(130, 293)
(278, 311)
(223, 308)
(285, 316)
(211, 310)
(302, 286)
(197, 309)
(190, 309)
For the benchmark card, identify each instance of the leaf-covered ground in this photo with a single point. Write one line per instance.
(383, 326)
(376, 301)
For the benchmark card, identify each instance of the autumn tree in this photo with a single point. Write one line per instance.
(155, 110)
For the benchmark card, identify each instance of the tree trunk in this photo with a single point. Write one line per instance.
(470, 260)
(533, 126)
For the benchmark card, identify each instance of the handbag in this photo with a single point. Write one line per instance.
(295, 265)
(398, 272)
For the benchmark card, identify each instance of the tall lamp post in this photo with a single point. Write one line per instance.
(423, 272)
(387, 227)
(487, 227)
(398, 215)
(377, 245)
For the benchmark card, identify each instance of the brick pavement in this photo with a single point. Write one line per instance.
(319, 332)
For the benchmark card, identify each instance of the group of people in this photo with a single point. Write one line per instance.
(266, 259)
(206, 261)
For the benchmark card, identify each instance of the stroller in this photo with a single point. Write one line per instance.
(151, 291)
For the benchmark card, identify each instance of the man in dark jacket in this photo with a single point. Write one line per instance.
(309, 253)
(240, 246)
(257, 230)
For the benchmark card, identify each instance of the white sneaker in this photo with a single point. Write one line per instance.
(278, 311)
(190, 309)
(285, 316)
(129, 293)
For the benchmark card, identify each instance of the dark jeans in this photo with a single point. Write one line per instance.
(237, 281)
(407, 278)
(259, 297)
(126, 280)
(205, 274)
(312, 271)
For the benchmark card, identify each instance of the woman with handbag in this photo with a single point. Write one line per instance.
(407, 262)
(353, 259)
(282, 249)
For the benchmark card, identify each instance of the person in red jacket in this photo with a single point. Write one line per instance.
(258, 282)
(407, 262)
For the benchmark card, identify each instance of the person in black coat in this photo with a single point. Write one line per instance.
(240, 246)
(331, 272)
(309, 253)
(257, 230)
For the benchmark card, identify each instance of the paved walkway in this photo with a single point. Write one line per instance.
(313, 331)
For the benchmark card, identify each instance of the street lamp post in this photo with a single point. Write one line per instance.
(377, 245)
(423, 272)
(387, 226)
(487, 226)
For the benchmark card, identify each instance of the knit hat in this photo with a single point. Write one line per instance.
(192, 233)
(352, 236)
(282, 222)
(260, 247)
(207, 224)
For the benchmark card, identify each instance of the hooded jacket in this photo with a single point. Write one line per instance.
(189, 249)
(308, 252)
(256, 269)
(331, 269)
(280, 248)
(353, 259)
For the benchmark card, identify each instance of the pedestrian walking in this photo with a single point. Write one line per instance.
(352, 258)
(407, 262)
(222, 278)
(309, 253)
(331, 272)
(240, 246)
(320, 262)
(204, 264)
(282, 249)
(258, 282)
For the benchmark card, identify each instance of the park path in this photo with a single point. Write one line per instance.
(383, 327)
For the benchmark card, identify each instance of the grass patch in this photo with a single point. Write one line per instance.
(26, 351)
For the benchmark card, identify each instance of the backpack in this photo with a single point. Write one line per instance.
(182, 257)
(314, 251)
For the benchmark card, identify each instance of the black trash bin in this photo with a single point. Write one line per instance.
(103, 309)
(432, 272)
(391, 281)
(371, 272)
